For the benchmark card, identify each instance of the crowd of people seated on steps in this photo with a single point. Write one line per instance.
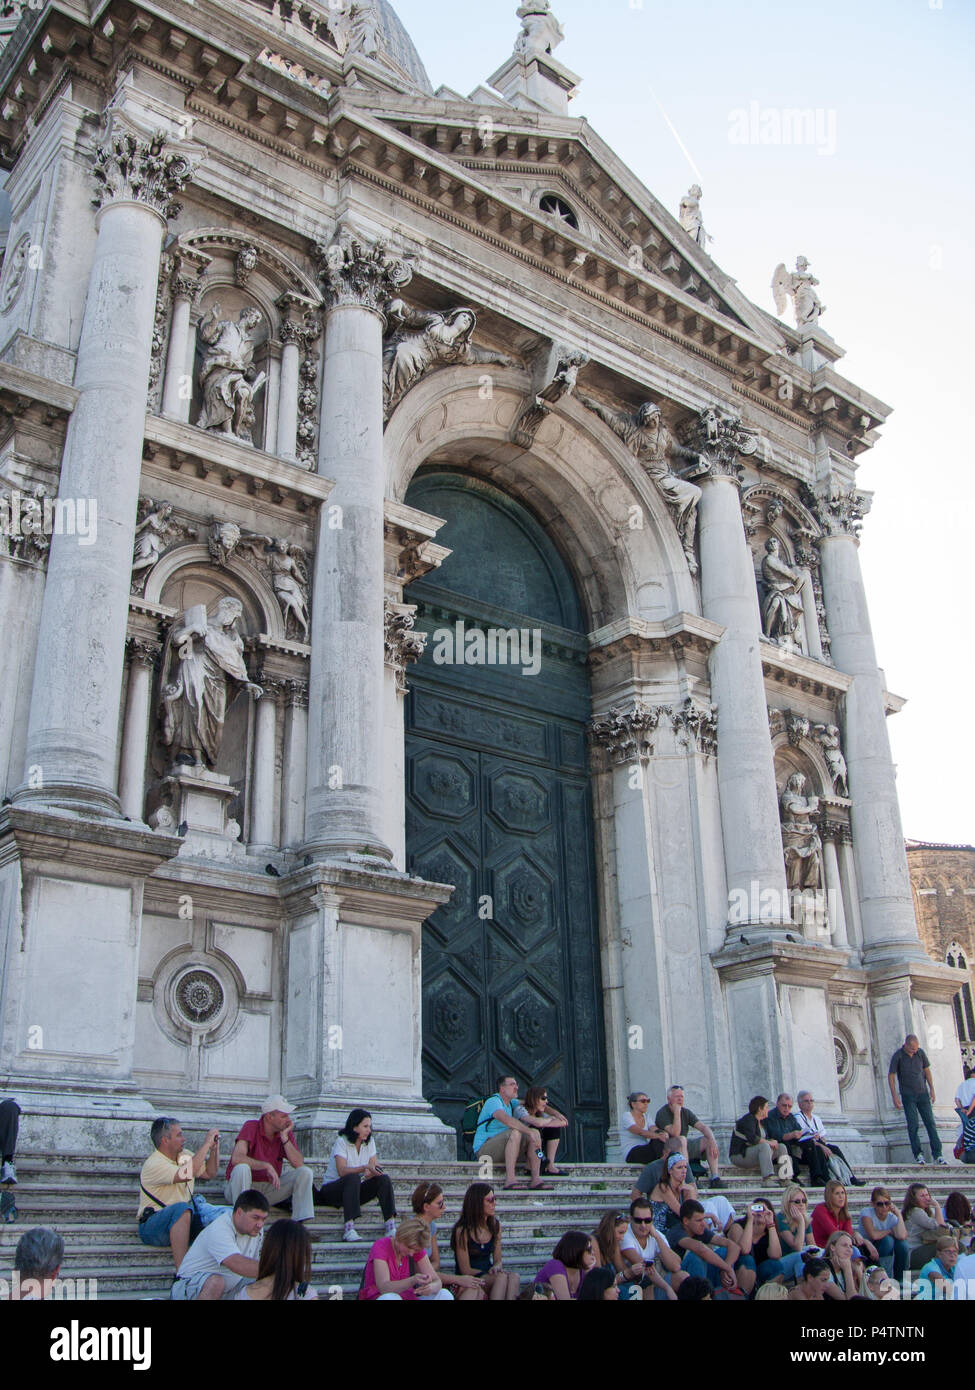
(671, 1242)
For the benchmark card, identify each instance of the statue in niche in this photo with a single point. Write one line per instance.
(541, 32)
(227, 375)
(153, 533)
(782, 609)
(800, 837)
(203, 665)
(419, 339)
(799, 286)
(289, 575)
(828, 736)
(646, 436)
(690, 215)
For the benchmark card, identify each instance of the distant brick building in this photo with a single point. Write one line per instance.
(943, 879)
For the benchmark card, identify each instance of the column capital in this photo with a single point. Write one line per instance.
(625, 733)
(134, 165)
(720, 438)
(142, 651)
(298, 694)
(840, 512)
(355, 272)
(402, 645)
(186, 275)
(696, 726)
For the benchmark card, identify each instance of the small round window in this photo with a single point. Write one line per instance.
(558, 208)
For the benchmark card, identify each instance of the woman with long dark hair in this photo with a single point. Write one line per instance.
(284, 1269)
(572, 1259)
(924, 1223)
(476, 1243)
(353, 1175)
(428, 1203)
(550, 1123)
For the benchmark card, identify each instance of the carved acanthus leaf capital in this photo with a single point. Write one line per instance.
(840, 511)
(625, 733)
(133, 165)
(402, 644)
(720, 438)
(298, 694)
(696, 726)
(143, 651)
(352, 272)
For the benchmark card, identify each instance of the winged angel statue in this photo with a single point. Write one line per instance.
(799, 286)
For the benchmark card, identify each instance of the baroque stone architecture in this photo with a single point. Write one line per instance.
(436, 641)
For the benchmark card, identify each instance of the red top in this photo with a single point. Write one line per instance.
(260, 1147)
(824, 1223)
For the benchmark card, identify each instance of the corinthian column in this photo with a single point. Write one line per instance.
(343, 806)
(754, 864)
(74, 714)
(886, 904)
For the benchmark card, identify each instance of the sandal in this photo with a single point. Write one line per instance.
(539, 1187)
(513, 1187)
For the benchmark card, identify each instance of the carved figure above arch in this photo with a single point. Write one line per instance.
(418, 340)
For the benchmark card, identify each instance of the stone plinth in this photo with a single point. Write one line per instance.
(200, 801)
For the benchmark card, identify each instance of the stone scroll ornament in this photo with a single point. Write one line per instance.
(227, 377)
(647, 437)
(800, 287)
(202, 671)
(417, 340)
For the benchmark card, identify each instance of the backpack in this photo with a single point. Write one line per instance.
(468, 1123)
(839, 1170)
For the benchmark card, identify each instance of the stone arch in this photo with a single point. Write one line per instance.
(280, 270)
(262, 612)
(806, 758)
(579, 479)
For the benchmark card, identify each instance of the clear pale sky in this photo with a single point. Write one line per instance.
(885, 219)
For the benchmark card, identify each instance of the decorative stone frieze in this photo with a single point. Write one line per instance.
(402, 644)
(696, 726)
(352, 272)
(625, 734)
(138, 167)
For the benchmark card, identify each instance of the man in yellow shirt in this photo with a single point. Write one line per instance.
(167, 1204)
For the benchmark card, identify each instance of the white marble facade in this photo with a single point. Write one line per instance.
(208, 239)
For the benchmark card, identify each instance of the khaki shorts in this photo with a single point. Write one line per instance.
(494, 1147)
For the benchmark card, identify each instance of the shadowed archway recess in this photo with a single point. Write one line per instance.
(499, 804)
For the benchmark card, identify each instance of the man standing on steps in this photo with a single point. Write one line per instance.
(167, 1203)
(675, 1119)
(911, 1071)
(258, 1158)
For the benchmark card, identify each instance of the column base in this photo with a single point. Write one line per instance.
(71, 798)
(363, 848)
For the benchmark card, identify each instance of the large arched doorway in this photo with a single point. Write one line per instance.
(498, 803)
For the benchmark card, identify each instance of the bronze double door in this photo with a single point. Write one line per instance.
(499, 804)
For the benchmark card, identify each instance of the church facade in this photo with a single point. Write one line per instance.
(435, 638)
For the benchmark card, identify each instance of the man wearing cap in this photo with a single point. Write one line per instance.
(258, 1155)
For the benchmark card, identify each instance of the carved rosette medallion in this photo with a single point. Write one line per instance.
(625, 735)
(354, 273)
(198, 996)
(403, 646)
(133, 166)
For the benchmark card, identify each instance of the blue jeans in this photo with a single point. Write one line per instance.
(155, 1230)
(913, 1107)
(790, 1265)
(700, 1269)
(888, 1245)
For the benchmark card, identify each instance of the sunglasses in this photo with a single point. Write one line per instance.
(879, 1203)
(643, 1220)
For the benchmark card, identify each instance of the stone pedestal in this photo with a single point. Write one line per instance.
(199, 801)
(757, 895)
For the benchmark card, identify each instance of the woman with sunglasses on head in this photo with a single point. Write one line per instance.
(882, 1224)
(671, 1191)
(427, 1202)
(792, 1221)
(640, 1139)
(549, 1122)
(476, 1243)
(572, 1259)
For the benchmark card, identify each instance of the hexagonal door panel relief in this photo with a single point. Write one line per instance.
(519, 802)
(523, 906)
(443, 864)
(443, 786)
(451, 1022)
(528, 1028)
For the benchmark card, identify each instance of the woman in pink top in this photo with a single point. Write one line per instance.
(833, 1214)
(389, 1274)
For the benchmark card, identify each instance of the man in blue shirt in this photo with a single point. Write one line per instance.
(499, 1136)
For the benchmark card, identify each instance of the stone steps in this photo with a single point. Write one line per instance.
(92, 1202)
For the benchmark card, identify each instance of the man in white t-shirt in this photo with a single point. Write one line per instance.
(225, 1254)
(648, 1257)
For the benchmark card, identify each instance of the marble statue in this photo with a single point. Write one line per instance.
(828, 736)
(798, 285)
(690, 215)
(289, 575)
(800, 837)
(227, 375)
(782, 608)
(541, 32)
(203, 664)
(151, 536)
(223, 538)
(355, 26)
(646, 436)
(419, 339)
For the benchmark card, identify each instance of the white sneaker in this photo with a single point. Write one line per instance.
(8, 1173)
(920, 1160)
(351, 1234)
(943, 1161)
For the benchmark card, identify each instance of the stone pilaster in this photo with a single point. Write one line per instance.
(185, 285)
(74, 715)
(143, 655)
(263, 800)
(886, 904)
(344, 801)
